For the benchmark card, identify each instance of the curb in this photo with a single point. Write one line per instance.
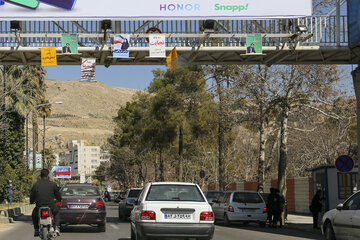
(6, 216)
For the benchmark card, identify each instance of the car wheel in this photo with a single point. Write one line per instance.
(226, 220)
(245, 223)
(329, 232)
(262, 224)
(132, 234)
(121, 216)
(102, 227)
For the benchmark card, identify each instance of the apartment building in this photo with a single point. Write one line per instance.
(82, 159)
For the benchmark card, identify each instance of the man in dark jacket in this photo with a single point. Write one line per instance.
(316, 207)
(275, 205)
(43, 193)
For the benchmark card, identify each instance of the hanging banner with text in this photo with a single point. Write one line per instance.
(121, 46)
(154, 9)
(48, 57)
(157, 46)
(88, 69)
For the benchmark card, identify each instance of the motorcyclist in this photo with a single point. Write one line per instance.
(43, 193)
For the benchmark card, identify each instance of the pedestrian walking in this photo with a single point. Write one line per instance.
(278, 208)
(10, 191)
(269, 205)
(316, 207)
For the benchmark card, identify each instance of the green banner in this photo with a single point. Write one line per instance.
(253, 44)
(69, 43)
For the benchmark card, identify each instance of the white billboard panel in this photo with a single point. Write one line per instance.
(157, 9)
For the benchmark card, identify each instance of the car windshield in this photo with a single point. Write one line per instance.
(214, 195)
(247, 197)
(79, 191)
(134, 193)
(174, 193)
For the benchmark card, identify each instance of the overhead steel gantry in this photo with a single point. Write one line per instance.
(324, 42)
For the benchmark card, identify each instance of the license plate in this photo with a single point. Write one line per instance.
(248, 210)
(83, 206)
(177, 216)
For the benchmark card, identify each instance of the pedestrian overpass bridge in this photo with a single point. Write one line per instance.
(324, 42)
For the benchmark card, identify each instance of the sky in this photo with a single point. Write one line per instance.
(126, 76)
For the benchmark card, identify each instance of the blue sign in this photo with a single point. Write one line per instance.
(354, 22)
(1, 2)
(344, 163)
(61, 172)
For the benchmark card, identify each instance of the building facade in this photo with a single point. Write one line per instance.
(82, 159)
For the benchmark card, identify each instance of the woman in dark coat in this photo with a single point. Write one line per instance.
(316, 207)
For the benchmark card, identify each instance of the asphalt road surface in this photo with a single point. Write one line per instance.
(22, 229)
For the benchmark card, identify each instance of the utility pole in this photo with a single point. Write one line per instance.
(356, 80)
(4, 115)
(43, 158)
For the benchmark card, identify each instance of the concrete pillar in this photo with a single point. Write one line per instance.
(356, 80)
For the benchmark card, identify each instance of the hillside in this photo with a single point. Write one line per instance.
(86, 112)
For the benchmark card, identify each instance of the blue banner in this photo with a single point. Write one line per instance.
(354, 23)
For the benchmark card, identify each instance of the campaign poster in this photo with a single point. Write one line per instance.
(157, 46)
(121, 46)
(69, 43)
(254, 44)
(88, 69)
(48, 57)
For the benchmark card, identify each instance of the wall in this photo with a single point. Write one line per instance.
(298, 195)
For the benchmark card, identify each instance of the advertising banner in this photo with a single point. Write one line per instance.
(88, 69)
(121, 46)
(38, 161)
(253, 44)
(48, 57)
(61, 172)
(154, 9)
(69, 43)
(172, 60)
(157, 46)
(354, 23)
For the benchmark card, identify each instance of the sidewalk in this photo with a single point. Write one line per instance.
(301, 222)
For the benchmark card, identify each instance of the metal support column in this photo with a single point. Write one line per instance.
(338, 23)
(356, 80)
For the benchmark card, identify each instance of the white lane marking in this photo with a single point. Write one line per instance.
(114, 226)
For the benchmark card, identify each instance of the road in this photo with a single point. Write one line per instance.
(118, 230)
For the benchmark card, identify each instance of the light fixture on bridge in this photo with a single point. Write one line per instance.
(208, 26)
(15, 25)
(105, 25)
(301, 29)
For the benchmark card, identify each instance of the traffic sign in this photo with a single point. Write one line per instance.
(202, 173)
(152, 30)
(344, 163)
(61, 172)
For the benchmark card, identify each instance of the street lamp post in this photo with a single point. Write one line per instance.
(27, 134)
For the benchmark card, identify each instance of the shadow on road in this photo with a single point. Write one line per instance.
(293, 230)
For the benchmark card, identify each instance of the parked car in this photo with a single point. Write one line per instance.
(119, 196)
(343, 222)
(126, 204)
(82, 204)
(240, 206)
(212, 195)
(176, 210)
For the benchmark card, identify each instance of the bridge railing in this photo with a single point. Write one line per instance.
(179, 33)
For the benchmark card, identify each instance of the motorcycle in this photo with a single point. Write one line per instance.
(46, 228)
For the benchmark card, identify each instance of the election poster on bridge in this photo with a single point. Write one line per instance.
(154, 9)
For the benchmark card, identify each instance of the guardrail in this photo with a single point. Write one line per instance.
(180, 33)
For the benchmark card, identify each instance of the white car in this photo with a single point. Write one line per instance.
(343, 222)
(240, 206)
(170, 209)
